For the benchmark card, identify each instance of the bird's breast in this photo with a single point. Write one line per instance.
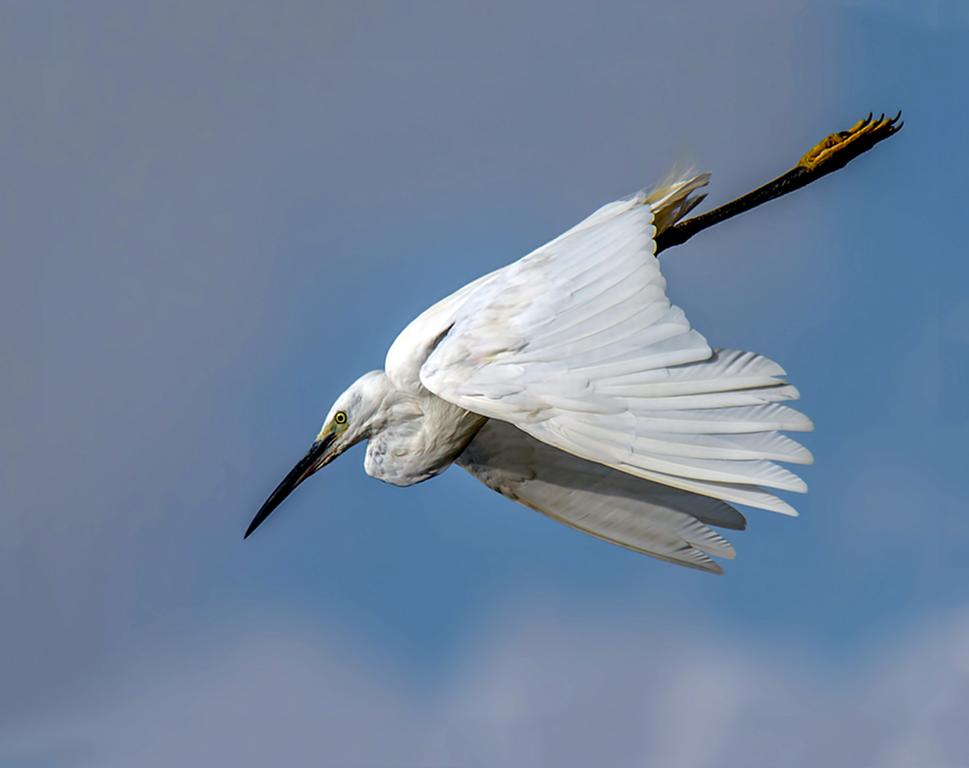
(418, 448)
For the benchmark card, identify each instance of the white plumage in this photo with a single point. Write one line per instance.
(568, 382)
(640, 515)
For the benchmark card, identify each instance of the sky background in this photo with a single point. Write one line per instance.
(214, 216)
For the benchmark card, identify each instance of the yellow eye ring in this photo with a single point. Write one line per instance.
(340, 418)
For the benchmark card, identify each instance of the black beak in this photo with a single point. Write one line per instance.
(306, 466)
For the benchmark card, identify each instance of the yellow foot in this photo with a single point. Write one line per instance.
(838, 148)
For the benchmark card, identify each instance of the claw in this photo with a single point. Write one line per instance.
(833, 151)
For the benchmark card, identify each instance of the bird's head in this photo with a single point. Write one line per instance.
(354, 417)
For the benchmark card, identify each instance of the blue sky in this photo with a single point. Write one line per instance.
(215, 217)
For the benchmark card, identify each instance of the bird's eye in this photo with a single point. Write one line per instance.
(340, 417)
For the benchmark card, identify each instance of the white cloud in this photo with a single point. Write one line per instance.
(539, 690)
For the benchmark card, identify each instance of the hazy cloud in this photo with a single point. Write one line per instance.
(541, 689)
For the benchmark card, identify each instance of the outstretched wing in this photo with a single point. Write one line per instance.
(640, 515)
(578, 345)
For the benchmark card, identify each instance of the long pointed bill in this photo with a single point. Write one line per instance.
(306, 467)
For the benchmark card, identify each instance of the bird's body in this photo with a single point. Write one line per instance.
(569, 382)
(572, 363)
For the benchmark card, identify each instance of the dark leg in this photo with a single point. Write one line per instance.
(831, 154)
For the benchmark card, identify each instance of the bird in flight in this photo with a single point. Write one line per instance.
(568, 382)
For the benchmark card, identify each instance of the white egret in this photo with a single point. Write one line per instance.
(568, 382)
